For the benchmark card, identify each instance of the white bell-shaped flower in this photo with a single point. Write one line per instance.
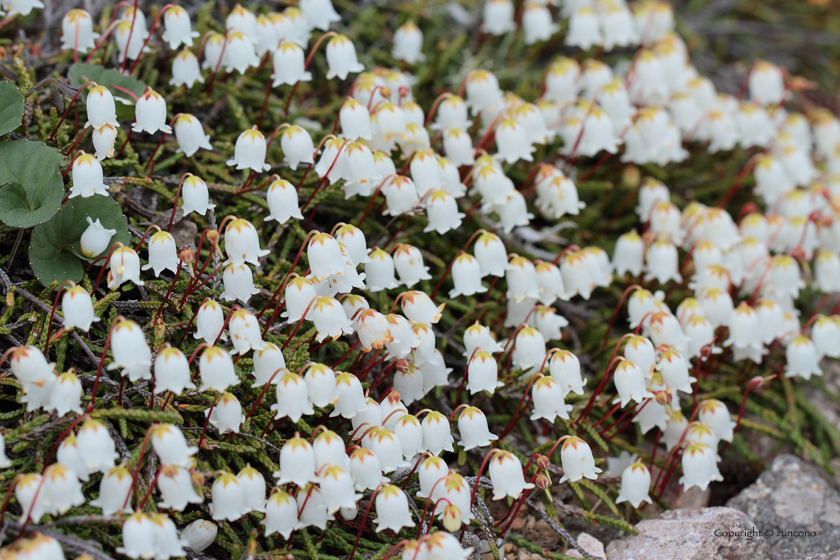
(62, 489)
(536, 21)
(114, 491)
(96, 447)
(355, 120)
(408, 43)
(513, 142)
(245, 332)
(577, 460)
(281, 514)
(408, 262)
(297, 463)
(190, 136)
(431, 470)
(267, 362)
(662, 262)
(584, 29)
(312, 507)
(365, 469)
(672, 435)
(766, 83)
(320, 384)
(101, 109)
(641, 352)
(699, 466)
(103, 141)
(745, 334)
(226, 415)
(618, 26)
(373, 330)
(66, 394)
(297, 146)
(521, 276)
(216, 370)
(239, 53)
(715, 415)
(329, 318)
(506, 475)
(436, 433)
(472, 425)
(528, 349)
(298, 295)
(25, 492)
(457, 491)
(150, 113)
(492, 256)
(228, 498)
(68, 455)
(170, 445)
(341, 58)
(329, 450)
(392, 510)
(419, 307)
(253, 488)
(802, 358)
(387, 447)
(77, 308)
(674, 370)
(466, 274)
(138, 536)
(630, 383)
(210, 322)
(547, 395)
(131, 351)
(163, 254)
(168, 543)
(498, 17)
(289, 65)
(324, 255)
(195, 195)
(565, 369)
(176, 488)
(130, 38)
(87, 177)
(242, 243)
(350, 399)
(177, 28)
(186, 70)
(483, 91)
(577, 275)
(249, 151)
(124, 266)
(635, 485)
(282, 202)
(319, 14)
(292, 397)
(77, 31)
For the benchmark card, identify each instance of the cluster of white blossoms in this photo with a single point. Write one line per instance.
(746, 274)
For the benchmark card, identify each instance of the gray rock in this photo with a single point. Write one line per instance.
(692, 535)
(795, 506)
(828, 556)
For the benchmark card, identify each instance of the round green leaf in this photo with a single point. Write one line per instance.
(82, 72)
(11, 107)
(54, 252)
(32, 186)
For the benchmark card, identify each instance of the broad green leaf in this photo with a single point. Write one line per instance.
(82, 72)
(32, 186)
(54, 252)
(11, 107)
